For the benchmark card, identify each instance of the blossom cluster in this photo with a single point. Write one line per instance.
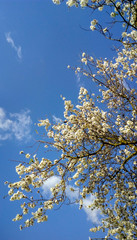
(95, 143)
(120, 11)
(97, 154)
(97, 150)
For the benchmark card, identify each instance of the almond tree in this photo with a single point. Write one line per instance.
(96, 150)
(121, 12)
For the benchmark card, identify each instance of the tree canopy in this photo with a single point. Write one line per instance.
(96, 142)
(123, 12)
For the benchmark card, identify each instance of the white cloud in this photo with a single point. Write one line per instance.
(73, 196)
(5, 136)
(51, 182)
(10, 40)
(15, 125)
(92, 215)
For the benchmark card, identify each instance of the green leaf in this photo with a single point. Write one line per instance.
(31, 160)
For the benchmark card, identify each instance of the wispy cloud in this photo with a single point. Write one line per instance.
(10, 40)
(17, 125)
(92, 215)
(72, 195)
(51, 182)
(79, 81)
(56, 119)
(78, 75)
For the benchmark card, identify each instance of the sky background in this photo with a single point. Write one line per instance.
(37, 41)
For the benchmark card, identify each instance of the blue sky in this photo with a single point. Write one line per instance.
(37, 42)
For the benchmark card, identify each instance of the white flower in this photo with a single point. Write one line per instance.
(27, 155)
(21, 152)
(94, 22)
(100, 8)
(84, 60)
(70, 3)
(105, 30)
(113, 14)
(56, 1)
(92, 27)
(83, 3)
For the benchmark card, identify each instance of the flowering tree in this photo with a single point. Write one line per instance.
(121, 12)
(96, 149)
